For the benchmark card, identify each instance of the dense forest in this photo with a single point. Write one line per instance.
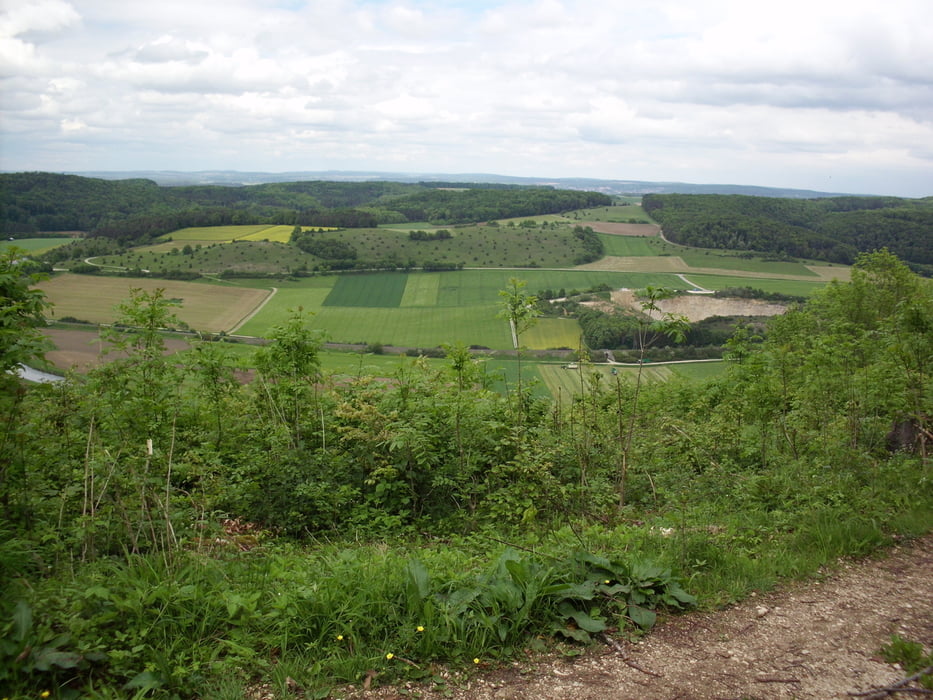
(834, 229)
(135, 210)
(167, 531)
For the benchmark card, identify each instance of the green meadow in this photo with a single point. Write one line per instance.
(35, 245)
(618, 214)
(781, 286)
(215, 233)
(711, 259)
(631, 246)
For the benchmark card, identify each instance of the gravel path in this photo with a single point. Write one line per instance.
(818, 639)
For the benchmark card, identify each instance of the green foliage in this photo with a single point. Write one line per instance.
(326, 248)
(754, 293)
(319, 528)
(602, 587)
(912, 657)
(22, 311)
(177, 628)
(592, 245)
(834, 229)
(140, 209)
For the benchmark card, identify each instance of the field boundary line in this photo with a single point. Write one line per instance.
(255, 311)
(697, 289)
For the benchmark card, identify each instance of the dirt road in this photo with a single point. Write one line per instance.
(819, 639)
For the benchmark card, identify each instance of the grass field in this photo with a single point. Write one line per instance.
(421, 291)
(710, 259)
(409, 310)
(473, 246)
(408, 326)
(567, 382)
(631, 245)
(279, 234)
(380, 290)
(431, 308)
(212, 257)
(632, 213)
(204, 307)
(792, 287)
(218, 234)
(551, 333)
(35, 245)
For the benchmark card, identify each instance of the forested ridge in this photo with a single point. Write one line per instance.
(834, 229)
(167, 531)
(131, 210)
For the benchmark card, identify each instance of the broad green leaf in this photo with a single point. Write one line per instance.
(642, 617)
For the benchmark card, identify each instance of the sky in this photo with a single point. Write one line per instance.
(830, 95)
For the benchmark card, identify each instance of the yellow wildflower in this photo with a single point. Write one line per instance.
(390, 656)
(420, 628)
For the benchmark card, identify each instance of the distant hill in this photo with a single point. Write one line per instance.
(611, 187)
(135, 209)
(835, 229)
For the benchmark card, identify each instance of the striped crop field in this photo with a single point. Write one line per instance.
(421, 290)
(279, 234)
(427, 309)
(217, 234)
(567, 382)
(625, 246)
(482, 286)
(632, 213)
(381, 290)
(415, 327)
(308, 294)
(551, 333)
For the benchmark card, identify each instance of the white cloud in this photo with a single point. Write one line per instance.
(792, 94)
(30, 16)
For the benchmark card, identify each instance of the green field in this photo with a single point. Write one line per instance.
(473, 246)
(561, 381)
(618, 214)
(380, 290)
(427, 309)
(421, 290)
(551, 333)
(625, 246)
(279, 234)
(215, 233)
(213, 257)
(791, 287)
(711, 259)
(35, 245)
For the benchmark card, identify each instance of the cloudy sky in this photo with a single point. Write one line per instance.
(830, 95)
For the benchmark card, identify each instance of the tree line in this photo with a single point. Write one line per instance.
(136, 210)
(834, 229)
